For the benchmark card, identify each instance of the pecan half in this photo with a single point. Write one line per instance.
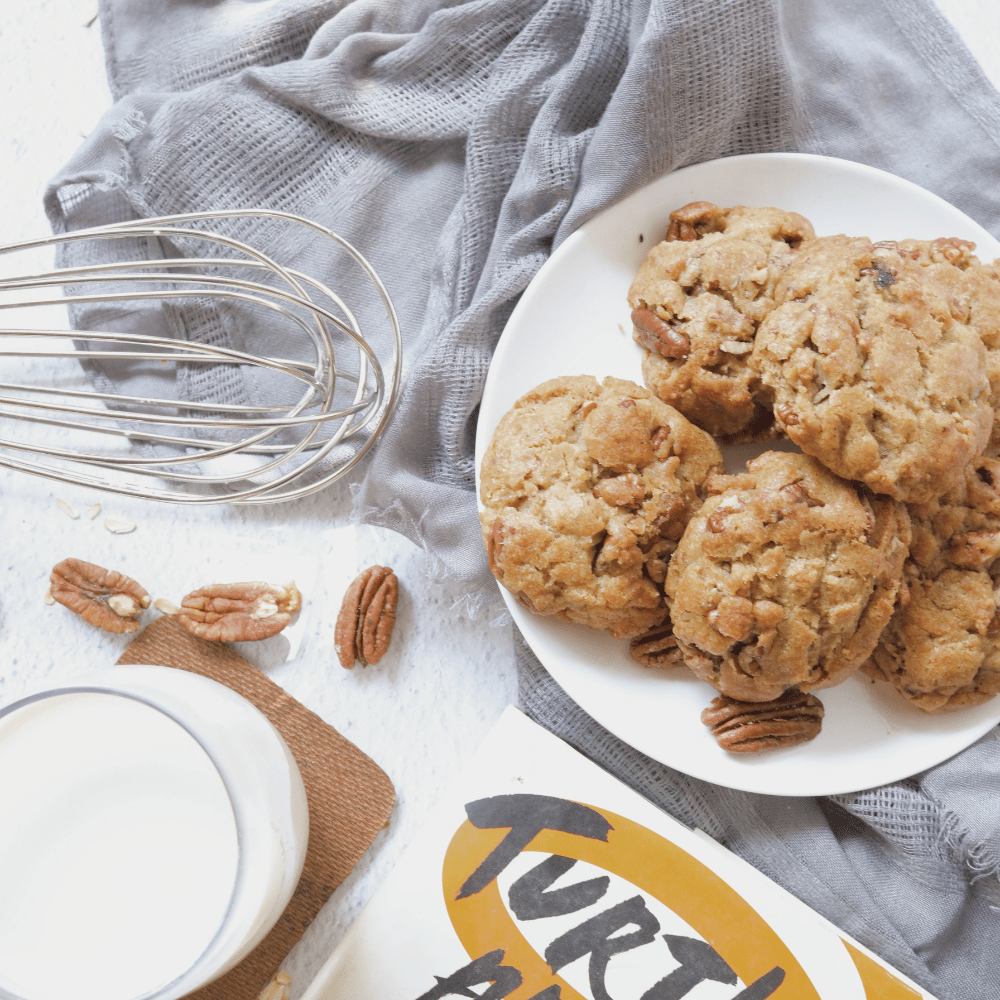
(750, 727)
(239, 612)
(657, 648)
(367, 617)
(103, 597)
(658, 335)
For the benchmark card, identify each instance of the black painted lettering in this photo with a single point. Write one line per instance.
(598, 936)
(526, 816)
(699, 962)
(531, 899)
(762, 988)
(486, 969)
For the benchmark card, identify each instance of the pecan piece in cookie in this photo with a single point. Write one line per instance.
(753, 726)
(103, 597)
(621, 491)
(239, 612)
(367, 617)
(654, 334)
(694, 220)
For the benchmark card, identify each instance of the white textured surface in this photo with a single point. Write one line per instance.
(419, 713)
(425, 707)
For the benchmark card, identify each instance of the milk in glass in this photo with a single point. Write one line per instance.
(118, 848)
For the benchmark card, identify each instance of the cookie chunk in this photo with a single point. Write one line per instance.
(696, 303)
(785, 578)
(941, 650)
(586, 489)
(872, 370)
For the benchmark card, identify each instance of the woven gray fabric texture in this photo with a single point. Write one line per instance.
(508, 122)
(457, 144)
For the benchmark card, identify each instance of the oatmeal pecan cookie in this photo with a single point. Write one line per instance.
(586, 489)
(696, 303)
(971, 290)
(785, 578)
(941, 649)
(873, 371)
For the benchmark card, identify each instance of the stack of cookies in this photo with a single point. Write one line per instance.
(876, 548)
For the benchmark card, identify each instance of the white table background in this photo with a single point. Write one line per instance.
(422, 710)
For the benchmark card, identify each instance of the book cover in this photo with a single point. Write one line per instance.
(542, 877)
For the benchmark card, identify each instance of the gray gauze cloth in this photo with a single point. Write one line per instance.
(457, 143)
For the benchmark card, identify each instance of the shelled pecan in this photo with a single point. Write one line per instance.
(238, 612)
(367, 617)
(750, 727)
(103, 597)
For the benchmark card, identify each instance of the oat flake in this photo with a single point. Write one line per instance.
(118, 525)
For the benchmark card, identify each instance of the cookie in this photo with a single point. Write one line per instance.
(871, 369)
(982, 299)
(696, 303)
(972, 291)
(941, 650)
(586, 489)
(785, 578)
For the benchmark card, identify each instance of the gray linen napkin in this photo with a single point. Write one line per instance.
(458, 143)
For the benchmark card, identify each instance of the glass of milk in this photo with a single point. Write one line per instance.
(153, 827)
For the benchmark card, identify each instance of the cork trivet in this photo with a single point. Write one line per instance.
(349, 795)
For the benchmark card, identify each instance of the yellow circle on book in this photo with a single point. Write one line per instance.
(648, 861)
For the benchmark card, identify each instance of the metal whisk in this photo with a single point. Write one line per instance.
(214, 373)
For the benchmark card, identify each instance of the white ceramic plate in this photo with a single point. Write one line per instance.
(573, 319)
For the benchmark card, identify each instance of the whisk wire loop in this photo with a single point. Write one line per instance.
(193, 361)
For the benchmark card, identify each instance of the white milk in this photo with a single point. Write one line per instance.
(118, 849)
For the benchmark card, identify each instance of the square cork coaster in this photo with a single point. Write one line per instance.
(350, 797)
